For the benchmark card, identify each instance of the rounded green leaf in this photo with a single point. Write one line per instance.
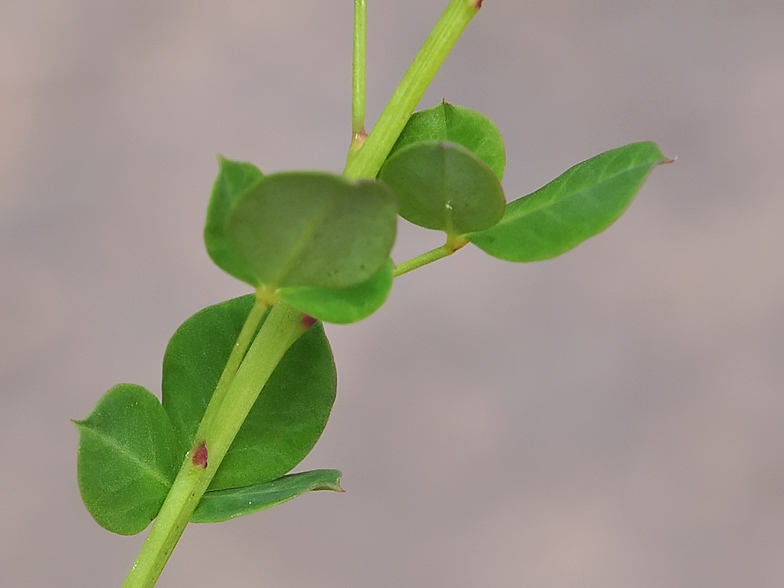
(234, 180)
(343, 305)
(444, 186)
(288, 417)
(290, 413)
(222, 505)
(577, 205)
(314, 229)
(457, 124)
(127, 459)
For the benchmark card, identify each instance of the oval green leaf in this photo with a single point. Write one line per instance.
(457, 124)
(443, 186)
(577, 205)
(290, 413)
(127, 459)
(343, 305)
(314, 229)
(222, 505)
(234, 180)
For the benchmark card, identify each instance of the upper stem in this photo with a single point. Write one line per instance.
(365, 162)
(358, 73)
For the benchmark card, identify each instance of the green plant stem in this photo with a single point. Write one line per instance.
(282, 327)
(235, 360)
(246, 373)
(366, 161)
(358, 75)
(452, 244)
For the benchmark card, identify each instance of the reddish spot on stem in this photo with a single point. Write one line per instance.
(479, 4)
(200, 456)
(307, 321)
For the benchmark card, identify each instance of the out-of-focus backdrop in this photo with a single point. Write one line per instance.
(611, 419)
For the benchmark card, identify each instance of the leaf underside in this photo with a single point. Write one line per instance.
(457, 124)
(445, 187)
(342, 305)
(314, 229)
(222, 505)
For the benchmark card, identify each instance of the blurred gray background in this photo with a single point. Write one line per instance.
(613, 418)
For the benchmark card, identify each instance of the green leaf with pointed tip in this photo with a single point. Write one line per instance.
(289, 415)
(314, 229)
(577, 205)
(127, 459)
(343, 305)
(234, 180)
(457, 124)
(444, 186)
(222, 505)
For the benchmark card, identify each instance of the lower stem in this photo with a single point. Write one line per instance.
(282, 327)
(244, 340)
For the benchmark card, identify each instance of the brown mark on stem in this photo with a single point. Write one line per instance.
(200, 456)
(308, 321)
(478, 4)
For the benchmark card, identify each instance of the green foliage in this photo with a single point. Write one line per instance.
(579, 204)
(314, 229)
(286, 420)
(222, 505)
(194, 360)
(131, 445)
(457, 124)
(444, 186)
(127, 459)
(246, 395)
(342, 305)
(234, 180)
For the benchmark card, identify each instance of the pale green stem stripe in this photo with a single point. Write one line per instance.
(232, 365)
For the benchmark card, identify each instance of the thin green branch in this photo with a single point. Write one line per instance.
(358, 74)
(452, 244)
(366, 161)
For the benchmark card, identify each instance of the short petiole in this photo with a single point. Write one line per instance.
(453, 243)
